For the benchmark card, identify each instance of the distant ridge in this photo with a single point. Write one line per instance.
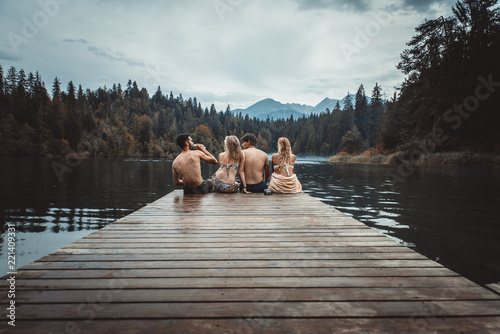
(274, 109)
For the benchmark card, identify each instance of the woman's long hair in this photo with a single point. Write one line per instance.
(233, 149)
(284, 152)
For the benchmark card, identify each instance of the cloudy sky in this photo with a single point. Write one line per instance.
(226, 52)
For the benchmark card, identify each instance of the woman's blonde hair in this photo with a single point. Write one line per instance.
(284, 151)
(233, 149)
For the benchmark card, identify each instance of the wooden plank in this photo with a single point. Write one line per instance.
(238, 255)
(243, 250)
(267, 309)
(231, 272)
(216, 229)
(434, 324)
(494, 287)
(231, 239)
(218, 234)
(245, 282)
(72, 265)
(260, 244)
(258, 295)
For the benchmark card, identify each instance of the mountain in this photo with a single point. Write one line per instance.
(274, 109)
(327, 103)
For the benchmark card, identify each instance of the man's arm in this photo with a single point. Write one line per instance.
(206, 156)
(241, 173)
(177, 180)
(266, 170)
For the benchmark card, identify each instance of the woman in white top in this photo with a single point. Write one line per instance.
(283, 180)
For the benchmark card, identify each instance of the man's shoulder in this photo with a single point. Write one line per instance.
(185, 155)
(262, 154)
(255, 154)
(255, 151)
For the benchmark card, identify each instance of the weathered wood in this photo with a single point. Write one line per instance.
(248, 325)
(235, 244)
(242, 250)
(232, 272)
(244, 282)
(72, 265)
(244, 264)
(267, 309)
(130, 295)
(494, 287)
(236, 255)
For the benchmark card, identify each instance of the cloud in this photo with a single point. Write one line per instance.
(120, 57)
(80, 40)
(338, 5)
(7, 56)
(425, 6)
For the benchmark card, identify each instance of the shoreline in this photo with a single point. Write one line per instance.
(441, 159)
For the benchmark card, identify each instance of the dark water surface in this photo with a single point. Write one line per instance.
(450, 215)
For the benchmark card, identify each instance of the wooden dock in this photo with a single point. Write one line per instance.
(225, 263)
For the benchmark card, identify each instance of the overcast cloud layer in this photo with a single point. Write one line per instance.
(226, 52)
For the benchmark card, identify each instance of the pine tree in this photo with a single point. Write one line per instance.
(1, 82)
(375, 111)
(71, 97)
(347, 120)
(157, 98)
(56, 89)
(129, 88)
(361, 118)
(22, 84)
(11, 81)
(2, 92)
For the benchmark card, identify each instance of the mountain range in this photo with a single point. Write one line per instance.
(274, 109)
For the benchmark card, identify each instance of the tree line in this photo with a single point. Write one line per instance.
(117, 122)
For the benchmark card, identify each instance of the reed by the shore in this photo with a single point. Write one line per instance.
(464, 159)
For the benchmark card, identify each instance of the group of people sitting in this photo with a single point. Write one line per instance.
(248, 163)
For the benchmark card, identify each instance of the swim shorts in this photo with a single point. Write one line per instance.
(203, 188)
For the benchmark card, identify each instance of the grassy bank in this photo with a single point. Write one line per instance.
(465, 159)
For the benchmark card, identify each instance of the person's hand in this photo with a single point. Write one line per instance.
(245, 191)
(200, 147)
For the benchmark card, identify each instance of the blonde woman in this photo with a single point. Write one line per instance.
(283, 180)
(232, 162)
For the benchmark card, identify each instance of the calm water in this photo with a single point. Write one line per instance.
(447, 214)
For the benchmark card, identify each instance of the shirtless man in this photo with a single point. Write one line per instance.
(186, 169)
(255, 161)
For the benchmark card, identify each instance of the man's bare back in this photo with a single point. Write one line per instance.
(186, 169)
(255, 161)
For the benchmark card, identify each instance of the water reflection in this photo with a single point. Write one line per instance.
(187, 203)
(447, 214)
(61, 219)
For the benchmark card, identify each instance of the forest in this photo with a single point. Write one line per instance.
(128, 122)
(447, 103)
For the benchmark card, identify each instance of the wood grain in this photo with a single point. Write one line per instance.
(223, 263)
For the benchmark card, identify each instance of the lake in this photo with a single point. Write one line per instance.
(448, 214)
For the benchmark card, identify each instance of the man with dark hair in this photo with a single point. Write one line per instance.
(255, 161)
(186, 169)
